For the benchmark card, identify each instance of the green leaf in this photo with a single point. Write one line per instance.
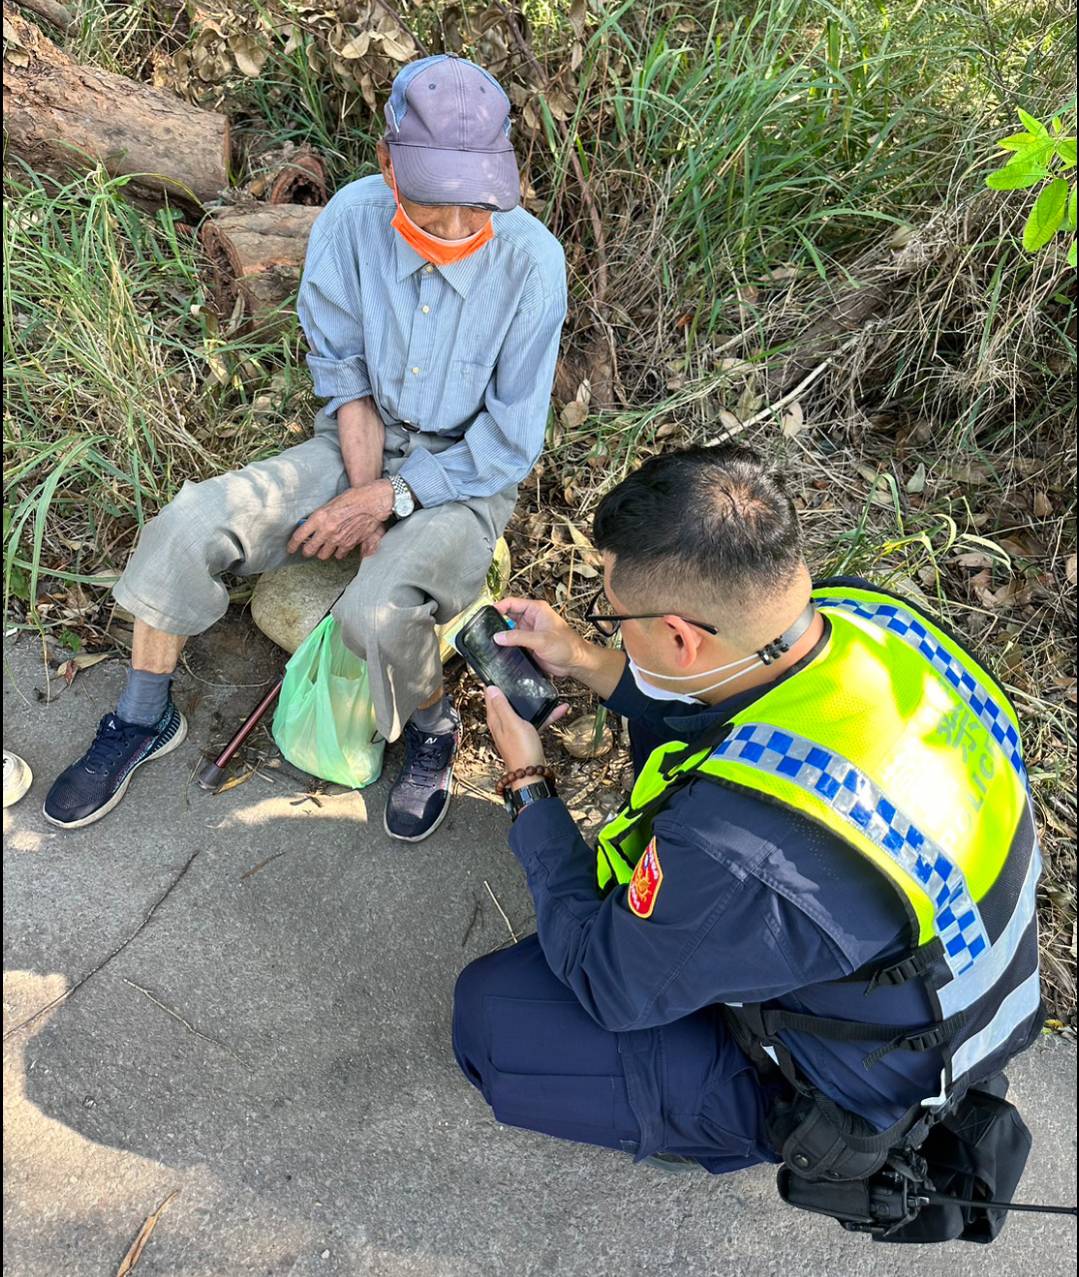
(1019, 142)
(1046, 215)
(1032, 125)
(1025, 170)
(1065, 148)
(1073, 257)
(1070, 215)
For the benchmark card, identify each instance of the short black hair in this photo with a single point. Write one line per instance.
(712, 522)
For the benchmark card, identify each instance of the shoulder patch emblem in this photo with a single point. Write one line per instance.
(645, 883)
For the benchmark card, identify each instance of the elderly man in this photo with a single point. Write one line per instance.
(432, 306)
(811, 930)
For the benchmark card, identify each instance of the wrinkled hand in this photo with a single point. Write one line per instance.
(556, 646)
(372, 543)
(354, 518)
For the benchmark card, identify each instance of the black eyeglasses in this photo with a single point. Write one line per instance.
(608, 624)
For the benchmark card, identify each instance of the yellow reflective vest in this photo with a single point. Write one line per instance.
(895, 739)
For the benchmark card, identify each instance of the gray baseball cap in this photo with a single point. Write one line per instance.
(447, 126)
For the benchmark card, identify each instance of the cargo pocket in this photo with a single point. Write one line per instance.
(552, 1070)
(576, 1108)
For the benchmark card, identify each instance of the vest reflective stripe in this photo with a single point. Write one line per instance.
(997, 719)
(927, 870)
(1018, 1007)
(970, 985)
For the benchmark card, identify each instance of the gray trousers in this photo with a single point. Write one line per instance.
(428, 568)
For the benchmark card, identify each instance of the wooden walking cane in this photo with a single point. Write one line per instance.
(214, 773)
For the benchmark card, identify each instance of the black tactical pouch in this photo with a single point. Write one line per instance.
(976, 1152)
(979, 1152)
(818, 1140)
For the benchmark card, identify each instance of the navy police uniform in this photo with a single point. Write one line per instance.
(605, 1027)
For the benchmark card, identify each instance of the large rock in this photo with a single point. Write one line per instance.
(287, 604)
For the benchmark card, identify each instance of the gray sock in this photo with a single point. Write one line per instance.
(436, 719)
(144, 697)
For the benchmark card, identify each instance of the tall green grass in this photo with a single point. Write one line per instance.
(786, 131)
(120, 382)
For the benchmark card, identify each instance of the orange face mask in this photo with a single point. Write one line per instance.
(441, 252)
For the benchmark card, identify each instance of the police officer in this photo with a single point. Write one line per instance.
(817, 904)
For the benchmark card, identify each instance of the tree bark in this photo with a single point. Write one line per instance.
(255, 256)
(63, 118)
(51, 11)
(301, 179)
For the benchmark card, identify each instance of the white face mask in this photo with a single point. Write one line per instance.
(746, 663)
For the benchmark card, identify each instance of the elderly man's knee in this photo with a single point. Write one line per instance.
(183, 523)
(370, 615)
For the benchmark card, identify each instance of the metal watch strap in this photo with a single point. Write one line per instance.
(518, 799)
(400, 489)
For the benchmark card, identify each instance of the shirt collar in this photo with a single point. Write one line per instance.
(459, 275)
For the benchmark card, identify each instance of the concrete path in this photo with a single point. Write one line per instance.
(273, 1049)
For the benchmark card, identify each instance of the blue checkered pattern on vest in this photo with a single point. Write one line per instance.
(852, 795)
(913, 632)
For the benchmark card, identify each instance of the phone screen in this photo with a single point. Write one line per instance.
(511, 669)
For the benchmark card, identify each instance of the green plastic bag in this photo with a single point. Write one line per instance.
(325, 721)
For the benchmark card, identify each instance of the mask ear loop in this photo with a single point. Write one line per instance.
(767, 655)
(719, 669)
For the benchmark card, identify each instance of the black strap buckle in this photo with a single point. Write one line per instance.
(771, 652)
(918, 1040)
(909, 968)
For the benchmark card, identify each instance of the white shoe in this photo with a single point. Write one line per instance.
(17, 778)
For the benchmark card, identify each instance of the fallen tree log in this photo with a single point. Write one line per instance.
(289, 175)
(821, 323)
(255, 257)
(51, 11)
(301, 179)
(63, 118)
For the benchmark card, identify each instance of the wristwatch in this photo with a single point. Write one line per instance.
(403, 500)
(517, 800)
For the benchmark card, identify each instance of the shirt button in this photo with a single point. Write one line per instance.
(425, 309)
(428, 269)
(415, 372)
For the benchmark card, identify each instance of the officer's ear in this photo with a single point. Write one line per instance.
(685, 640)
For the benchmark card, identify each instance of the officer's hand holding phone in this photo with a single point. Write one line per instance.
(516, 740)
(520, 698)
(556, 647)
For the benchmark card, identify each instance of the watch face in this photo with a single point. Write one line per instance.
(403, 505)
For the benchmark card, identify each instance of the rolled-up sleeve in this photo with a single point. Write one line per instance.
(330, 312)
(502, 443)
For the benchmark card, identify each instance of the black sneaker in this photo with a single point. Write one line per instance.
(420, 797)
(91, 788)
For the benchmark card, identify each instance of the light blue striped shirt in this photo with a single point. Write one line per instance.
(466, 350)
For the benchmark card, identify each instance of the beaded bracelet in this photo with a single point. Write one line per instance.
(522, 773)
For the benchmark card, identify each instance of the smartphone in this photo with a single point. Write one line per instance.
(511, 669)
